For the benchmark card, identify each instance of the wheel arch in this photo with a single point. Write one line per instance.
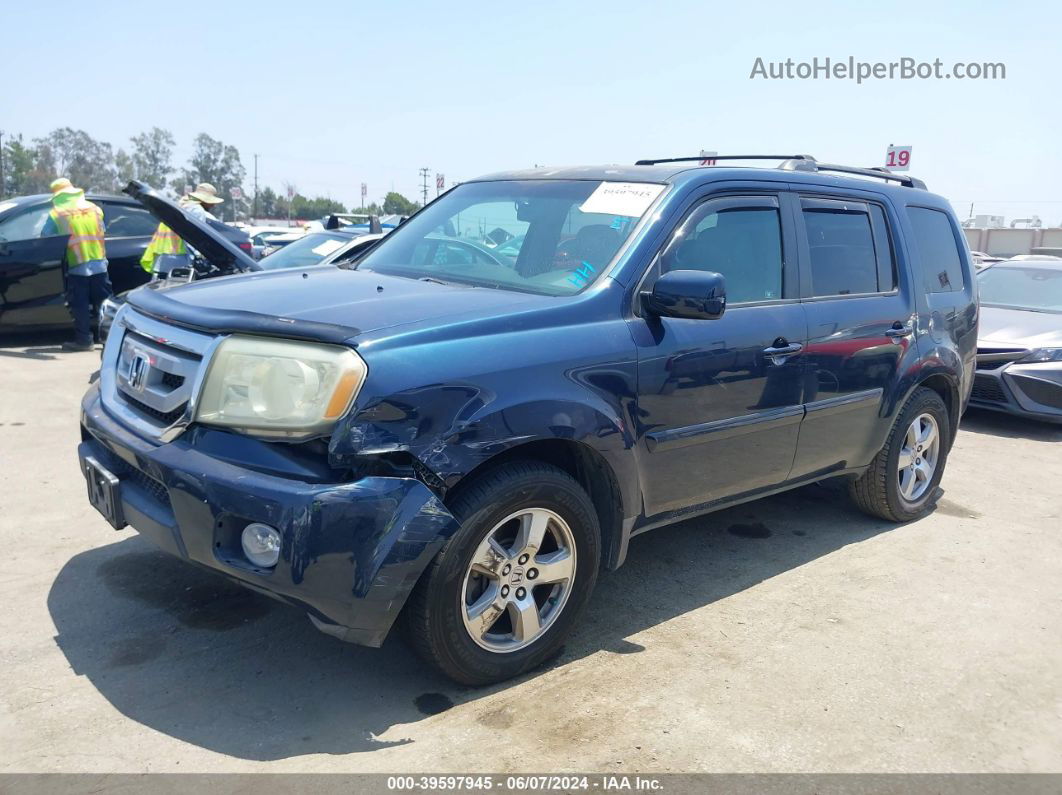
(589, 467)
(947, 387)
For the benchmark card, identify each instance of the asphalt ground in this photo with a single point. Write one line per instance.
(789, 634)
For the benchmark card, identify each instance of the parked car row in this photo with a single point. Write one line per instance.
(1019, 348)
(31, 267)
(463, 436)
(311, 248)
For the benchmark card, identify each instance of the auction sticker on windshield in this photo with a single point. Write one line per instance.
(622, 198)
(327, 247)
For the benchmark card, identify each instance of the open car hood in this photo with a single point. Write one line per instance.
(221, 253)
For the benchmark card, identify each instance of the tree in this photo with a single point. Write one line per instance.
(308, 209)
(214, 162)
(22, 173)
(267, 204)
(397, 204)
(125, 166)
(79, 157)
(372, 209)
(152, 155)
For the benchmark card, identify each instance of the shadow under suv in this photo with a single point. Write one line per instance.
(466, 433)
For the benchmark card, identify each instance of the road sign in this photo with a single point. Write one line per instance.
(236, 194)
(364, 193)
(898, 158)
(440, 181)
(291, 191)
(709, 158)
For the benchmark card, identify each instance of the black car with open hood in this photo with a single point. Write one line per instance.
(218, 248)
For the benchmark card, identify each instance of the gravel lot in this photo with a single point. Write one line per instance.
(790, 634)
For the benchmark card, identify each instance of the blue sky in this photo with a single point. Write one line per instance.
(331, 95)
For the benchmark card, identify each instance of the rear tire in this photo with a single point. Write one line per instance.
(902, 480)
(508, 586)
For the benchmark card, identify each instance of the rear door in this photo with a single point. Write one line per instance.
(718, 413)
(861, 313)
(31, 272)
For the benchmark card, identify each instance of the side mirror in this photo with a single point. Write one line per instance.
(697, 295)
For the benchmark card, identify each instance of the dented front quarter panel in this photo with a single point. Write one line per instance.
(455, 396)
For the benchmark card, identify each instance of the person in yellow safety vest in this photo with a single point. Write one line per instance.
(87, 282)
(167, 250)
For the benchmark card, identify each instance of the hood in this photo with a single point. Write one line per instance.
(322, 302)
(1019, 328)
(221, 253)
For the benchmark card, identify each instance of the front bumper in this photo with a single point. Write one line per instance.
(1031, 390)
(350, 552)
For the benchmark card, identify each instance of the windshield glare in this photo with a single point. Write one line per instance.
(304, 252)
(1025, 288)
(553, 237)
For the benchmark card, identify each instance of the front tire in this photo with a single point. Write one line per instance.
(505, 590)
(902, 480)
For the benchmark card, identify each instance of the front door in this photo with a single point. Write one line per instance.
(720, 401)
(31, 272)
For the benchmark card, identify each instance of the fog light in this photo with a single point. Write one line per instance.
(261, 544)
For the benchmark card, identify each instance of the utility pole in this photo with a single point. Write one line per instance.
(256, 186)
(424, 183)
(2, 181)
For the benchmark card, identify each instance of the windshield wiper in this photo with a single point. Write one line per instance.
(432, 279)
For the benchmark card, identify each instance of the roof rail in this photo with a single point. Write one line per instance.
(723, 157)
(801, 163)
(875, 171)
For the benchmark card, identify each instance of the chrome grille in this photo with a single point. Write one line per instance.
(152, 373)
(143, 367)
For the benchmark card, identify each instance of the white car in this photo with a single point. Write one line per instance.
(261, 236)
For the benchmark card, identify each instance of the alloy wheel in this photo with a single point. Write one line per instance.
(518, 580)
(918, 457)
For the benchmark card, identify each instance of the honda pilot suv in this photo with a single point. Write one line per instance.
(463, 426)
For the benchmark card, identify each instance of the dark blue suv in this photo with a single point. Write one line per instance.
(464, 425)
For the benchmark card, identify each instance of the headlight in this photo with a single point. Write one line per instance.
(1042, 355)
(278, 387)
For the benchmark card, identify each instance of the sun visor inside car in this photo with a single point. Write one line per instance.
(236, 321)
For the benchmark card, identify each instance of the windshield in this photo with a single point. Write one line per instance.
(553, 237)
(307, 250)
(1039, 289)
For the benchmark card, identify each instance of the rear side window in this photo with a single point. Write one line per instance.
(938, 250)
(848, 248)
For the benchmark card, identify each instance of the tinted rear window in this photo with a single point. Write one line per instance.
(938, 250)
(843, 261)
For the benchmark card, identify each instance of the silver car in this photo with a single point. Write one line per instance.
(1019, 345)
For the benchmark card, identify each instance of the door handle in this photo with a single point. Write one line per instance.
(779, 353)
(899, 330)
(784, 350)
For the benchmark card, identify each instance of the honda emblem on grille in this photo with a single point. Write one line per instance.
(138, 368)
